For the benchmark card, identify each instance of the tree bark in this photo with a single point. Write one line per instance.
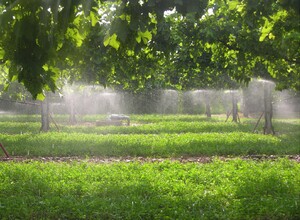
(45, 115)
(268, 127)
(234, 108)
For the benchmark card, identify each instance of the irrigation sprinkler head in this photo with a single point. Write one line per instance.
(122, 117)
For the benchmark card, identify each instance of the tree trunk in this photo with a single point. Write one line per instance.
(234, 108)
(207, 105)
(45, 115)
(268, 128)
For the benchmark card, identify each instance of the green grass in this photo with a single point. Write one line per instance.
(231, 189)
(235, 189)
(150, 128)
(150, 145)
(150, 136)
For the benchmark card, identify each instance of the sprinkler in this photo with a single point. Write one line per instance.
(114, 119)
(121, 117)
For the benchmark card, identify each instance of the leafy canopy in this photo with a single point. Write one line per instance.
(134, 44)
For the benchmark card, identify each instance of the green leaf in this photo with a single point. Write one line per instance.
(125, 17)
(267, 28)
(14, 78)
(112, 41)
(271, 36)
(130, 52)
(240, 8)
(12, 73)
(93, 18)
(6, 86)
(145, 36)
(152, 18)
(74, 34)
(138, 39)
(263, 36)
(40, 96)
(232, 5)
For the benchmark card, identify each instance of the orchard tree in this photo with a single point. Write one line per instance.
(194, 67)
(243, 35)
(35, 36)
(250, 38)
(236, 41)
(139, 44)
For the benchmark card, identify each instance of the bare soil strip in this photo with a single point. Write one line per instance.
(201, 159)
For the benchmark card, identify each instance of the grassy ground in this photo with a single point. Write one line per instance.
(149, 136)
(229, 189)
(235, 189)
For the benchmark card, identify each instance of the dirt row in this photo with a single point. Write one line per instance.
(201, 159)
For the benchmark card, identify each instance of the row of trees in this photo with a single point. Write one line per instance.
(143, 45)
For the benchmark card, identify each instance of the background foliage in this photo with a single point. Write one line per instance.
(140, 45)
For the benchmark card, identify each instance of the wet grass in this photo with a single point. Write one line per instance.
(229, 189)
(149, 128)
(150, 145)
(235, 189)
(185, 135)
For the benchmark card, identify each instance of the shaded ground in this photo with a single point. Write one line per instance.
(202, 159)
